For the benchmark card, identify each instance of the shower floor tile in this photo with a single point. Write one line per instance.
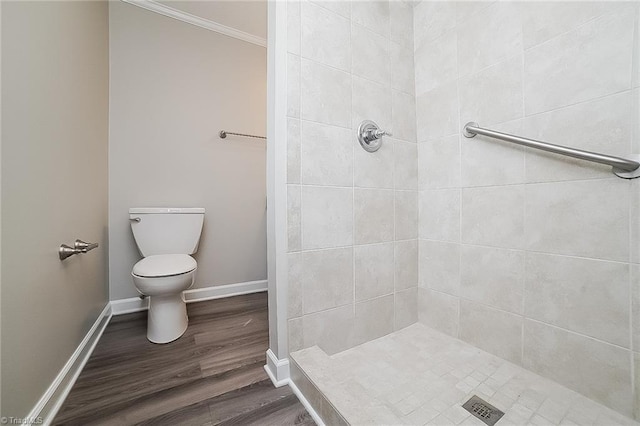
(418, 376)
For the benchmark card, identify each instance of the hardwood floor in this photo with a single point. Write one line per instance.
(212, 375)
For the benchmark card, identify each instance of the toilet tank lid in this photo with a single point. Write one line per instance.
(166, 210)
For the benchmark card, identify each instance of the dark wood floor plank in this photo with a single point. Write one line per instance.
(212, 374)
(285, 411)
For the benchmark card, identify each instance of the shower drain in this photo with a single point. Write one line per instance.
(483, 410)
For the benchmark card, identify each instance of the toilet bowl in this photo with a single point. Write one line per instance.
(166, 237)
(163, 278)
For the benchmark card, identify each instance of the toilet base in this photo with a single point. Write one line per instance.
(167, 318)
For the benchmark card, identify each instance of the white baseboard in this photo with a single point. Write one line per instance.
(314, 415)
(49, 404)
(135, 304)
(277, 369)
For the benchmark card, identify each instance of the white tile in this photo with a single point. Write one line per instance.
(634, 235)
(374, 270)
(438, 310)
(374, 318)
(581, 218)
(440, 266)
(293, 150)
(431, 19)
(602, 125)
(587, 296)
(402, 69)
(326, 94)
(294, 223)
(437, 112)
(493, 95)
(436, 62)
(493, 216)
(370, 53)
(492, 35)
(439, 211)
(341, 7)
(373, 215)
(405, 170)
(401, 23)
(493, 276)
(406, 264)
(469, 10)
(323, 36)
(373, 169)
(597, 370)
(293, 27)
(406, 308)
(327, 279)
(406, 215)
(295, 275)
(403, 110)
(591, 61)
(327, 217)
(327, 155)
(488, 161)
(373, 15)
(332, 330)
(293, 86)
(439, 163)
(364, 91)
(635, 306)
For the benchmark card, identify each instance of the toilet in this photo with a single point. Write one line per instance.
(166, 237)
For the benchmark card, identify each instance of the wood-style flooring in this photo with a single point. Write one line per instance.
(212, 375)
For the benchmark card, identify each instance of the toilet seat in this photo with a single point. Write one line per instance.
(164, 265)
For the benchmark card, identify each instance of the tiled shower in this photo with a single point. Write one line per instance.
(529, 256)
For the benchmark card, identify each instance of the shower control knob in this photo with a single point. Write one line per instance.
(370, 135)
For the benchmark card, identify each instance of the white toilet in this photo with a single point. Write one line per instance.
(166, 237)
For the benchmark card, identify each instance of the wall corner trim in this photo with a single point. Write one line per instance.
(277, 369)
(207, 24)
(51, 401)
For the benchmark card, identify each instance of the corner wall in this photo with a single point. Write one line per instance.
(528, 255)
(352, 221)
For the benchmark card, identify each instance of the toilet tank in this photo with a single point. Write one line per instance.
(166, 230)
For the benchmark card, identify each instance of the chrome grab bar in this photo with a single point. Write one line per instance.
(627, 168)
(79, 246)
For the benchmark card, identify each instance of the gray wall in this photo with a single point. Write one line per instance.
(174, 86)
(531, 256)
(352, 215)
(54, 188)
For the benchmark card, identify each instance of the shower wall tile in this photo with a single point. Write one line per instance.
(569, 68)
(492, 35)
(374, 16)
(469, 10)
(295, 272)
(406, 308)
(295, 334)
(431, 20)
(439, 264)
(565, 357)
(493, 95)
(570, 293)
(374, 270)
(635, 307)
(634, 234)
(293, 86)
(403, 111)
(332, 330)
(493, 277)
(406, 215)
(437, 110)
(491, 162)
(492, 330)
(581, 218)
(405, 164)
(436, 62)
(601, 125)
(327, 217)
(327, 155)
(401, 23)
(341, 7)
(439, 211)
(406, 264)
(323, 35)
(439, 311)
(493, 216)
(374, 318)
(373, 216)
(363, 109)
(294, 219)
(373, 170)
(368, 50)
(325, 94)
(402, 70)
(439, 163)
(293, 27)
(327, 279)
(293, 150)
